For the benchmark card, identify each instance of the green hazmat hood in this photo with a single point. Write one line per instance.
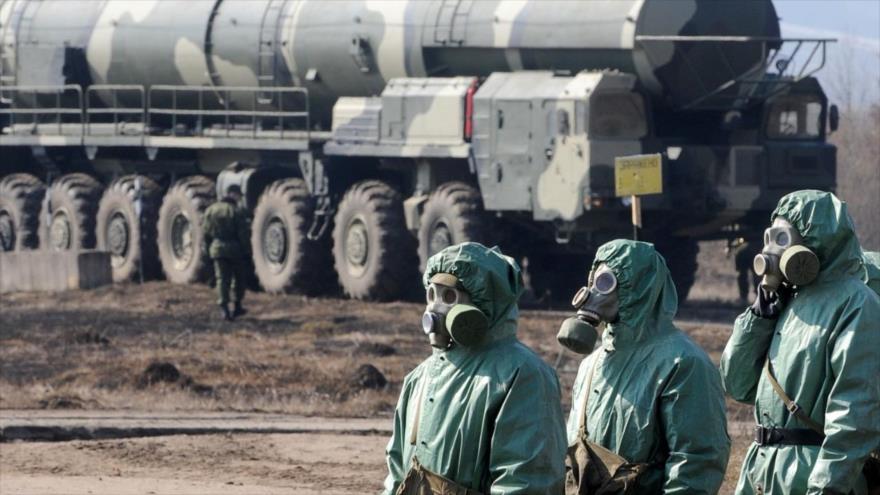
(493, 280)
(646, 292)
(824, 223)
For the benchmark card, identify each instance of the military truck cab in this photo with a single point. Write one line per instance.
(795, 138)
(545, 143)
(726, 179)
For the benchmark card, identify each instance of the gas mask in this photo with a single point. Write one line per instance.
(596, 303)
(449, 317)
(785, 258)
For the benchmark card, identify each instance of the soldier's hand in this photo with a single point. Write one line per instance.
(769, 304)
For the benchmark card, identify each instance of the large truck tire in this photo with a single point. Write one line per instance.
(179, 231)
(20, 198)
(681, 259)
(373, 253)
(553, 278)
(67, 219)
(453, 214)
(285, 260)
(131, 241)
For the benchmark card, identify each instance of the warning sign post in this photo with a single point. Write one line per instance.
(636, 176)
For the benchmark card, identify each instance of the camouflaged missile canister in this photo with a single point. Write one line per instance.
(353, 48)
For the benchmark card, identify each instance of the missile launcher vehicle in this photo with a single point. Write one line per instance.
(367, 135)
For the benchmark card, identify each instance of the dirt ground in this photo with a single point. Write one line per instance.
(162, 347)
(210, 464)
(222, 464)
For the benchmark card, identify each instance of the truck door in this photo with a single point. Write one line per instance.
(564, 159)
(512, 158)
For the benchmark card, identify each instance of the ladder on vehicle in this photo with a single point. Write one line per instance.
(17, 22)
(451, 21)
(213, 74)
(268, 51)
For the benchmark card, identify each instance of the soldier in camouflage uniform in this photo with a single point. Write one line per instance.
(226, 234)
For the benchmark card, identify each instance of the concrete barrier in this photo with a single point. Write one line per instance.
(54, 270)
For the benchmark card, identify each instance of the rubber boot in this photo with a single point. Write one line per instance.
(239, 310)
(224, 311)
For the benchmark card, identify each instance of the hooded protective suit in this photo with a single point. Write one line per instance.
(489, 417)
(823, 350)
(656, 395)
(872, 269)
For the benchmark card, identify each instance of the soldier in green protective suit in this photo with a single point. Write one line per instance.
(225, 228)
(482, 414)
(806, 355)
(648, 411)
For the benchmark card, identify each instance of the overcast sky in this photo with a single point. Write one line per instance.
(856, 25)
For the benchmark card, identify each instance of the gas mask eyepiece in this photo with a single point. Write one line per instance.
(449, 317)
(785, 258)
(594, 304)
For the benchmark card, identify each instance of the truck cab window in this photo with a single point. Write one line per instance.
(795, 117)
(617, 116)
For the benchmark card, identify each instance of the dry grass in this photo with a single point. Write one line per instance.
(291, 355)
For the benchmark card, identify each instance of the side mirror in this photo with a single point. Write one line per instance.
(833, 117)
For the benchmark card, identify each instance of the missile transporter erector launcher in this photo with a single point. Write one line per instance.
(367, 135)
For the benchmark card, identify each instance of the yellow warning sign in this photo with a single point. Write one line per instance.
(638, 175)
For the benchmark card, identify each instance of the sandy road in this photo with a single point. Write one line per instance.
(206, 464)
(158, 452)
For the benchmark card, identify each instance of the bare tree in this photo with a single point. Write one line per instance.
(858, 143)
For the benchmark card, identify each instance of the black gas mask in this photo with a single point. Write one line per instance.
(595, 304)
(785, 258)
(450, 318)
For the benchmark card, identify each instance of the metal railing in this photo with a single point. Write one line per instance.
(37, 106)
(116, 105)
(126, 110)
(784, 55)
(190, 110)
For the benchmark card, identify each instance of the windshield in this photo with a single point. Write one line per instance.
(795, 117)
(617, 116)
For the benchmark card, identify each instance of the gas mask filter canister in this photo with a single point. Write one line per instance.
(594, 304)
(467, 325)
(785, 258)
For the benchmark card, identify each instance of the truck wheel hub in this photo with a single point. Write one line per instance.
(356, 244)
(275, 241)
(181, 241)
(7, 232)
(59, 231)
(440, 239)
(117, 237)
